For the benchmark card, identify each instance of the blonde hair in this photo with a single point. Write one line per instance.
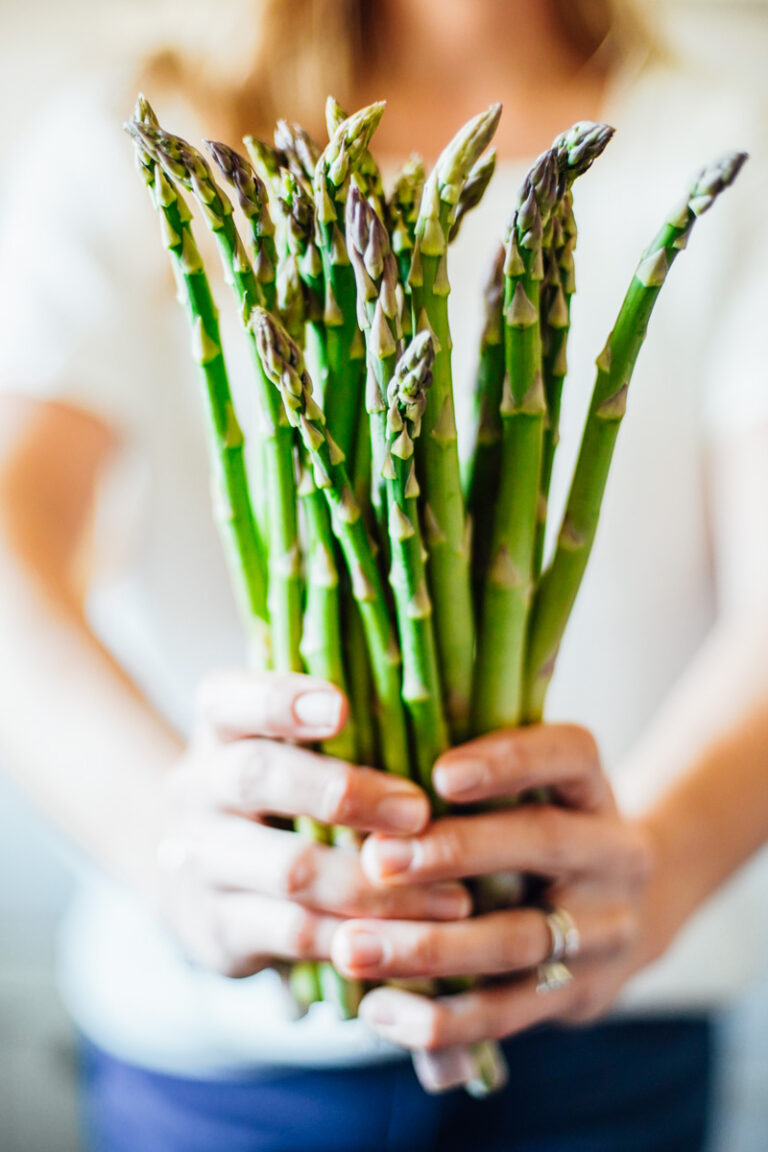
(270, 58)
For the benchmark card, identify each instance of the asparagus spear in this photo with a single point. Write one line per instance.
(378, 317)
(407, 398)
(437, 450)
(186, 164)
(402, 212)
(555, 318)
(344, 344)
(253, 200)
(560, 583)
(268, 161)
(577, 149)
(367, 175)
(473, 191)
(232, 505)
(485, 464)
(499, 667)
(299, 150)
(284, 366)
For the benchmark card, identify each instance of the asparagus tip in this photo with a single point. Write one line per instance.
(334, 115)
(713, 179)
(458, 158)
(412, 378)
(348, 143)
(144, 112)
(235, 168)
(579, 147)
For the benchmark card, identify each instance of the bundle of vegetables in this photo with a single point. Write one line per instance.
(354, 551)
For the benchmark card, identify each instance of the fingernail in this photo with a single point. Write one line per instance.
(318, 710)
(448, 902)
(400, 1016)
(380, 1009)
(361, 949)
(446, 1069)
(402, 812)
(392, 856)
(459, 776)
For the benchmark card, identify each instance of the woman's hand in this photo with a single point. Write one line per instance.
(238, 893)
(600, 868)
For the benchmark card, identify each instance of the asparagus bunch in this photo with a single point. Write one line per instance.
(353, 549)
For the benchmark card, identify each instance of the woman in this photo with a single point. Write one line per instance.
(178, 1057)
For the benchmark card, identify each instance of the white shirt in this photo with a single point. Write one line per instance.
(89, 316)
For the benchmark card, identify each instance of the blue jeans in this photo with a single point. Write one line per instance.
(628, 1086)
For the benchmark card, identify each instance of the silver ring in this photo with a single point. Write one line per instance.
(565, 935)
(551, 976)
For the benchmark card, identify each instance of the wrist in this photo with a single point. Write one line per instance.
(672, 893)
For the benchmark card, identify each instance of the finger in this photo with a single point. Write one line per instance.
(252, 930)
(258, 777)
(234, 703)
(537, 838)
(561, 757)
(482, 1014)
(236, 854)
(499, 943)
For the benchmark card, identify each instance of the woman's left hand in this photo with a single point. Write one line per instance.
(603, 870)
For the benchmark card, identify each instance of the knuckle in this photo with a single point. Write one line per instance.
(251, 770)
(222, 956)
(514, 946)
(299, 872)
(642, 859)
(587, 1004)
(586, 743)
(341, 796)
(426, 949)
(627, 926)
(556, 837)
(436, 1027)
(445, 849)
(301, 933)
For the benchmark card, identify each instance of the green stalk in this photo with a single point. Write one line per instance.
(186, 164)
(560, 583)
(407, 398)
(378, 316)
(321, 641)
(485, 462)
(253, 200)
(437, 450)
(342, 399)
(497, 698)
(232, 505)
(577, 150)
(321, 647)
(555, 319)
(284, 366)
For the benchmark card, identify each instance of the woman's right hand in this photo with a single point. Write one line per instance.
(240, 894)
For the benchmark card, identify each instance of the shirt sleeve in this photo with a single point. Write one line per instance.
(76, 253)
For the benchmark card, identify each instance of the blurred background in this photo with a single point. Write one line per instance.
(44, 43)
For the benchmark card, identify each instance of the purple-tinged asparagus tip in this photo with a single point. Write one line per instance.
(713, 179)
(580, 146)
